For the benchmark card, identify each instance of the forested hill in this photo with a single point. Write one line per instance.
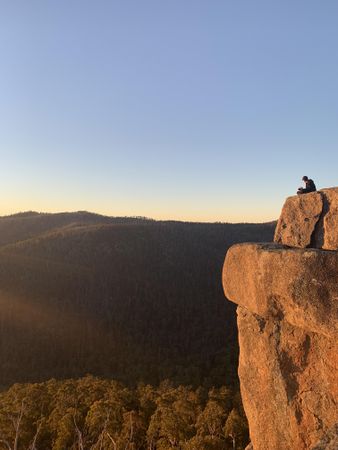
(128, 298)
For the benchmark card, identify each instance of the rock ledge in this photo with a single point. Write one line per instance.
(287, 297)
(310, 220)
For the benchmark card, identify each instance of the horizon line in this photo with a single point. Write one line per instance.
(141, 217)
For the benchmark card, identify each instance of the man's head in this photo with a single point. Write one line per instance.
(305, 178)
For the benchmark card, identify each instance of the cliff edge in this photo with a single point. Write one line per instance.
(287, 297)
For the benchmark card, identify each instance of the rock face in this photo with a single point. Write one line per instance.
(329, 441)
(310, 220)
(288, 327)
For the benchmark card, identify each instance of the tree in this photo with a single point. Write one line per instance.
(211, 421)
(236, 429)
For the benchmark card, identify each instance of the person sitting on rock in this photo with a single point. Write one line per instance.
(309, 186)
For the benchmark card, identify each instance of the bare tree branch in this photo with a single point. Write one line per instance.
(5, 442)
(79, 434)
(38, 428)
(112, 440)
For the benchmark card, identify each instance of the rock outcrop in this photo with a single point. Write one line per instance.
(310, 220)
(288, 326)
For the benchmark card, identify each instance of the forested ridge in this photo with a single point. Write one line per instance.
(125, 299)
(133, 299)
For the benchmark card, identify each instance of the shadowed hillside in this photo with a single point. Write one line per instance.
(29, 224)
(128, 298)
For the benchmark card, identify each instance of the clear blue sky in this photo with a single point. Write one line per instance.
(206, 110)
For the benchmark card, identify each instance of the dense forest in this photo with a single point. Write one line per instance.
(132, 299)
(126, 299)
(95, 414)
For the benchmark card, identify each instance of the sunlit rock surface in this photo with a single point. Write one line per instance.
(288, 329)
(297, 285)
(310, 220)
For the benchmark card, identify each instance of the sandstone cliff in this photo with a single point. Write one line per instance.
(287, 294)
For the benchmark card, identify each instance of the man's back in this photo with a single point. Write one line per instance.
(310, 186)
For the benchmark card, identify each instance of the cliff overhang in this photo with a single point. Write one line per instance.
(287, 297)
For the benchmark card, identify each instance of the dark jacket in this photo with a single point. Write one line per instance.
(310, 186)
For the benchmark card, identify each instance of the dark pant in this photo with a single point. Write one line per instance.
(305, 190)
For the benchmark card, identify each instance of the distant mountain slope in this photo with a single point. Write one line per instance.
(25, 225)
(126, 298)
